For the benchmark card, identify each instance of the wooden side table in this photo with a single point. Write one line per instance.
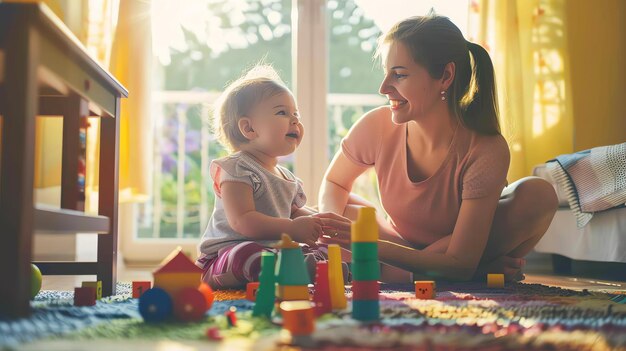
(45, 71)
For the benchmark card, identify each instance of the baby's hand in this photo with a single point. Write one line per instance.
(306, 229)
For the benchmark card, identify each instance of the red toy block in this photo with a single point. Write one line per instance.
(190, 305)
(213, 333)
(231, 317)
(84, 296)
(251, 290)
(365, 290)
(321, 296)
(139, 288)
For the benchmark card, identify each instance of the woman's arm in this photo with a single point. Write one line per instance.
(464, 250)
(335, 197)
(337, 183)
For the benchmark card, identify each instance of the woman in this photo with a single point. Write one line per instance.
(441, 162)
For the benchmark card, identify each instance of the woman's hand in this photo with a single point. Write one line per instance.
(306, 229)
(336, 229)
(511, 267)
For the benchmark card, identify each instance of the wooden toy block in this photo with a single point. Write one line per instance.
(425, 289)
(335, 278)
(176, 272)
(290, 266)
(213, 333)
(298, 317)
(365, 290)
(365, 228)
(321, 296)
(97, 286)
(290, 293)
(266, 295)
(365, 270)
(251, 289)
(231, 316)
(364, 251)
(208, 293)
(140, 287)
(189, 305)
(366, 310)
(495, 281)
(155, 305)
(85, 296)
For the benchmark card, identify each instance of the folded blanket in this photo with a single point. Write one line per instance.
(595, 179)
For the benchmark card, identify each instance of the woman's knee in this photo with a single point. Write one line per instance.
(534, 200)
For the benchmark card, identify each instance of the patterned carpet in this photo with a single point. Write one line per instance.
(463, 316)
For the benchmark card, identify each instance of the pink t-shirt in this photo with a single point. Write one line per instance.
(423, 212)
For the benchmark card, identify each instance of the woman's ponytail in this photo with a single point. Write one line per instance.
(481, 113)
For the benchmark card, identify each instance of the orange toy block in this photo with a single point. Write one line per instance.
(292, 292)
(298, 317)
(251, 290)
(139, 288)
(495, 281)
(84, 296)
(425, 289)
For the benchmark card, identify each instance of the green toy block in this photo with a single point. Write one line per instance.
(264, 304)
(365, 270)
(364, 251)
(366, 310)
(291, 269)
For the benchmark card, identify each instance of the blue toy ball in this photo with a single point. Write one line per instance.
(155, 305)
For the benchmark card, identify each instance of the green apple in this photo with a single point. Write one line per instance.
(35, 280)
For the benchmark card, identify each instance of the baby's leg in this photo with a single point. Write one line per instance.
(235, 266)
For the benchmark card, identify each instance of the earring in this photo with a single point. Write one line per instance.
(443, 95)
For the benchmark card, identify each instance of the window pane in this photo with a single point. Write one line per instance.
(199, 48)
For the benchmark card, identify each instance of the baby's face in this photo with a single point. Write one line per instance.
(276, 122)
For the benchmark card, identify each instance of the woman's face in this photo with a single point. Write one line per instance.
(411, 91)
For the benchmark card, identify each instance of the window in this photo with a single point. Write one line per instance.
(321, 48)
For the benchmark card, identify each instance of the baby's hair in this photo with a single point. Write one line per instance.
(260, 82)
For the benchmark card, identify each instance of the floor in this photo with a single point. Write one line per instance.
(587, 275)
(538, 270)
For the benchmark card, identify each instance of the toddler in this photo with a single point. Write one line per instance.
(256, 199)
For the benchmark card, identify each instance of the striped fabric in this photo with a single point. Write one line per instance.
(594, 180)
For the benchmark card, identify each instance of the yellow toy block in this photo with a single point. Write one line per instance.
(97, 286)
(495, 281)
(425, 289)
(292, 293)
(335, 278)
(365, 228)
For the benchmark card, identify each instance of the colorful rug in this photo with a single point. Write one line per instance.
(463, 316)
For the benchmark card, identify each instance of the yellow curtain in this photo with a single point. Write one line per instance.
(527, 40)
(130, 63)
(118, 34)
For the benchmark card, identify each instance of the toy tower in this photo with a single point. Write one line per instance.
(292, 276)
(365, 266)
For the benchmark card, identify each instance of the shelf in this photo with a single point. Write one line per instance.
(51, 220)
